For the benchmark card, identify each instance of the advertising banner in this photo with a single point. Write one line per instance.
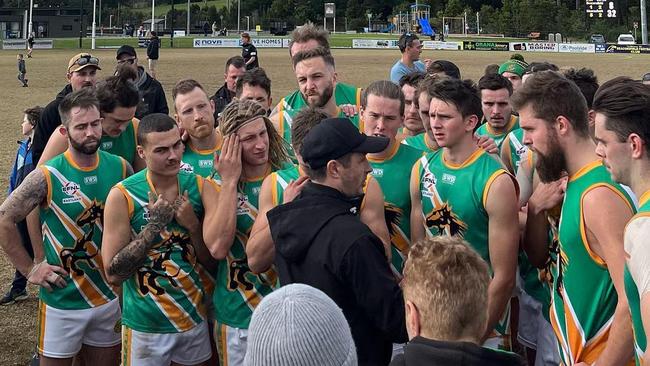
(374, 43)
(577, 47)
(631, 48)
(437, 45)
(534, 46)
(485, 46)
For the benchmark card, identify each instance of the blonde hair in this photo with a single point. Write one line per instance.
(241, 112)
(448, 282)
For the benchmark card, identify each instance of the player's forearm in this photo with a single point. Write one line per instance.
(260, 249)
(10, 243)
(536, 236)
(201, 251)
(499, 294)
(620, 343)
(127, 261)
(219, 234)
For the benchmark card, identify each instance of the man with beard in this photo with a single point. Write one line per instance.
(589, 311)
(154, 242)
(284, 185)
(235, 67)
(623, 139)
(462, 190)
(152, 96)
(320, 240)
(118, 99)
(316, 75)
(195, 115)
(412, 122)
(497, 112)
(251, 151)
(382, 109)
(78, 310)
(82, 73)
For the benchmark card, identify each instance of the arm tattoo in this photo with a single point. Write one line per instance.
(25, 198)
(127, 261)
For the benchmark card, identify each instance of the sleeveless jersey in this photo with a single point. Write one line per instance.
(199, 162)
(486, 130)
(290, 105)
(124, 144)
(583, 296)
(72, 221)
(632, 292)
(165, 294)
(392, 173)
(514, 149)
(420, 142)
(453, 203)
(238, 291)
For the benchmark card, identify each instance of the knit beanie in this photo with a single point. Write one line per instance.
(298, 325)
(514, 65)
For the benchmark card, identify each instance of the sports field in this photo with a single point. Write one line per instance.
(46, 74)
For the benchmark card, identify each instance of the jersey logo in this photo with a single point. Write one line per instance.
(377, 172)
(94, 213)
(148, 277)
(70, 256)
(443, 219)
(90, 180)
(448, 178)
(206, 163)
(107, 145)
(187, 167)
(239, 274)
(70, 188)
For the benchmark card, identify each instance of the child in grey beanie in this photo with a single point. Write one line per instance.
(298, 325)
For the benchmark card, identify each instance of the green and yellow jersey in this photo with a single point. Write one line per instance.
(421, 142)
(200, 162)
(72, 218)
(486, 130)
(123, 145)
(514, 150)
(165, 295)
(392, 173)
(583, 299)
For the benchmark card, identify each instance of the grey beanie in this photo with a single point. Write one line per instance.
(298, 325)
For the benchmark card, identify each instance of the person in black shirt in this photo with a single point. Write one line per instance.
(235, 67)
(153, 53)
(249, 52)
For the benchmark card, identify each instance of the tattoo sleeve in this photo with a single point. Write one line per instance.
(127, 261)
(25, 198)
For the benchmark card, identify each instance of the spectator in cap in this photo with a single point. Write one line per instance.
(513, 70)
(299, 325)
(411, 48)
(320, 240)
(81, 73)
(446, 294)
(152, 95)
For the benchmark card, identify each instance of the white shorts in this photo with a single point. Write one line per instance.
(231, 344)
(536, 332)
(63, 332)
(154, 349)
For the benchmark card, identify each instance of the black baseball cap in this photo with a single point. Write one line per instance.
(126, 49)
(333, 138)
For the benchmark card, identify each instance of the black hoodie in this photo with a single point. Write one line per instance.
(422, 351)
(47, 123)
(320, 241)
(152, 95)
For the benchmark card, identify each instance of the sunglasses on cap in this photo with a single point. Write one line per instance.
(87, 59)
(646, 77)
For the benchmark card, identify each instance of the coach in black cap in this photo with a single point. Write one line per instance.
(152, 95)
(320, 240)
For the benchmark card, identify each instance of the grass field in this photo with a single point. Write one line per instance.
(46, 73)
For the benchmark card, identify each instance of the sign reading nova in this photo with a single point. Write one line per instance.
(235, 42)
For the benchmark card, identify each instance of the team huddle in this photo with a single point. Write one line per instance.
(447, 220)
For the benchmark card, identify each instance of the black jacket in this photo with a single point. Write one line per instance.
(320, 241)
(221, 98)
(153, 48)
(247, 52)
(422, 351)
(48, 123)
(152, 95)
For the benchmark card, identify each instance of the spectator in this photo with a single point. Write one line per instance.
(446, 296)
(22, 70)
(411, 48)
(152, 95)
(321, 241)
(153, 52)
(299, 325)
(30, 44)
(206, 29)
(235, 67)
(249, 52)
(23, 165)
(214, 29)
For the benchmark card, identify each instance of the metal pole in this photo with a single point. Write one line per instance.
(334, 31)
(110, 22)
(81, 25)
(99, 14)
(465, 23)
(188, 18)
(153, 8)
(238, 16)
(30, 27)
(644, 23)
(478, 24)
(92, 43)
(171, 39)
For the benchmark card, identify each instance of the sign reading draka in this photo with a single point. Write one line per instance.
(235, 42)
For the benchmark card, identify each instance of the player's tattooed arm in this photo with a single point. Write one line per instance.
(131, 257)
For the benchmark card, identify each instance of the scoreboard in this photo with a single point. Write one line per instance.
(601, 9)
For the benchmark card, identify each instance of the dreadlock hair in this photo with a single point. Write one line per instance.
(241, 112)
